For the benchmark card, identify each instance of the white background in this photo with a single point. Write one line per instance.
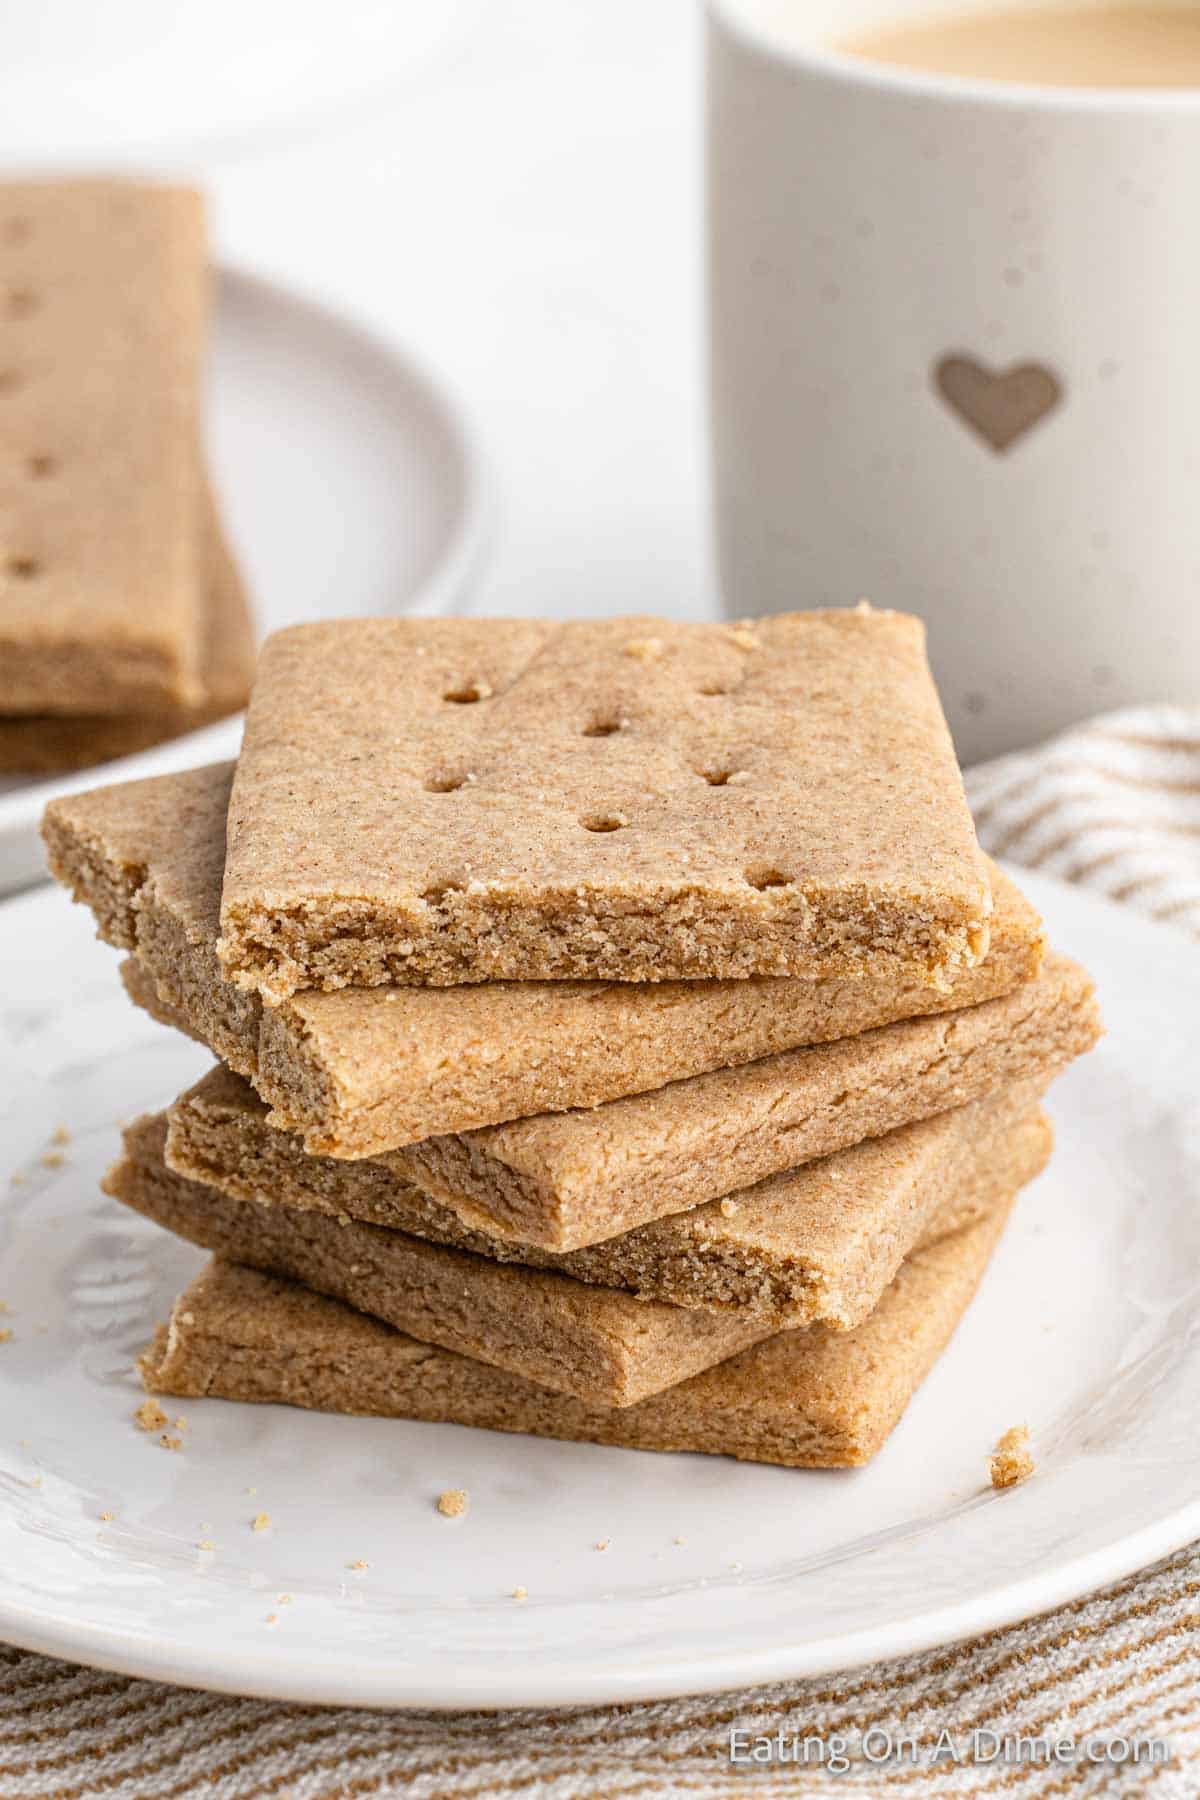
(521, 203)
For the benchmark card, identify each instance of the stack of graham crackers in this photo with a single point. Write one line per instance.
(123, 620)
(622, 1036)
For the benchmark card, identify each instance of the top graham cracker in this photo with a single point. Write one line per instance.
(439, 801)
(103, 315)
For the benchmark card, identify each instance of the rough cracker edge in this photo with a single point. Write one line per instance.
(489, 931)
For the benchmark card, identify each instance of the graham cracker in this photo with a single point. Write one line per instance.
(361, 1071)
(103, 313)
(816, 1245)
(451, 800)
(803, 1399)
(598, 1343)
(50, 743)
(567, 1180)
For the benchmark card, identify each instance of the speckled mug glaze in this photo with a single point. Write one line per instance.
(955, 345)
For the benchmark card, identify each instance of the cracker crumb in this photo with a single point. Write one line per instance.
(170, 1443)
(6, 1334)
(520, 1593)
(284, 1599)
(729, 1209)
(359, 1567)
(107, 1517)
(149, 1416)
(260, 1522)
(644, 649)
(206, 1544)
(252, 1490)
(453, 1502)
(742, 635)
(17, 1178)
(681, 1540)
(4, 1306)
(272, 1618)
(61, 1135)
(603, 1543)
(1011, 1462)
(52, 1159)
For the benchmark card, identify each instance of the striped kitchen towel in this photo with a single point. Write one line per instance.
(1113, 805)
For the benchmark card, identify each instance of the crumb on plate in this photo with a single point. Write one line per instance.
(1011, 1462)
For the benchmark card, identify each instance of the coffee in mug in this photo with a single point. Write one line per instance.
(1055, 46)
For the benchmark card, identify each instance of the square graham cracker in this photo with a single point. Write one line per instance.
(50, 743)
(816, 1245)
(802, 1399)
(450, 800)
(363, 1070)
(104, 291)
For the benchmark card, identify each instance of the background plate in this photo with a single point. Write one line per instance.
(349, 481)
(717, 1573)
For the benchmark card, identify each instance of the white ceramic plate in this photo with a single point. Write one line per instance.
(350, 483)
(717, 1573)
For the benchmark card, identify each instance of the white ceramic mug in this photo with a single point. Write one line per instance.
(955, 341)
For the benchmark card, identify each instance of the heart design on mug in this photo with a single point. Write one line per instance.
(1000, 405)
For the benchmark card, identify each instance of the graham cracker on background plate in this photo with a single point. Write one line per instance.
(104, 290)
(49, 743)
